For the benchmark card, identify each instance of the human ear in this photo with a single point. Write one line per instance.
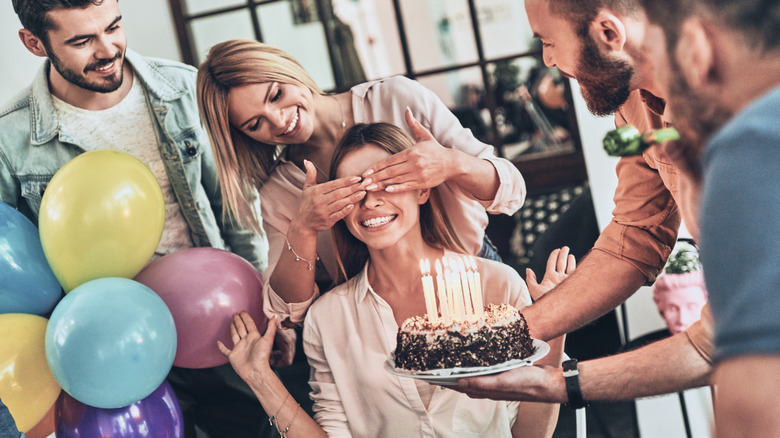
(694, 53)
(609, 30)
(32, 43)
(423, 195)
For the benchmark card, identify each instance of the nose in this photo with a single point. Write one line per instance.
(547, 58)
(277, 118)
(373, 199)
(105, 48)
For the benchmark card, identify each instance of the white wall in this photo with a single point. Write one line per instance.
(148, 25)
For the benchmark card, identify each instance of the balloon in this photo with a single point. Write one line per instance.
(110, 342)
(27, 284)
(156, 416)
(101, 216)
(203, 287)
(27, 386)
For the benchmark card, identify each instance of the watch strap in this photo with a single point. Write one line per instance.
(571, 376)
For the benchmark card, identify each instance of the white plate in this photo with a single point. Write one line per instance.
(450, 376)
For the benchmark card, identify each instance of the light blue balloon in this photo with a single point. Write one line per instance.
(110, 342)
(27, 283)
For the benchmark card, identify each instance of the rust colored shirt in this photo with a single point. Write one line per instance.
(646, 219)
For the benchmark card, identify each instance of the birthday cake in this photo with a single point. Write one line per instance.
(499, 335)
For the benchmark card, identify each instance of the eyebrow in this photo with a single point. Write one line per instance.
(265, 100)
(81, 37)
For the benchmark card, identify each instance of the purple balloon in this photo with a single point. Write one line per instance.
(158, 416)
(203, 288)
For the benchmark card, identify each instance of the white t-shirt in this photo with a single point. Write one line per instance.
(128, 127)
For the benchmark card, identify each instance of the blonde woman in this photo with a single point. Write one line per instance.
(350, 332)
(273, 130)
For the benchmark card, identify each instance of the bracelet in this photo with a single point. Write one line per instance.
(283, 433)
(272, 420)
(309, 263)
(571, 375)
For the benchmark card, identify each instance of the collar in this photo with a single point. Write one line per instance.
(653, 102)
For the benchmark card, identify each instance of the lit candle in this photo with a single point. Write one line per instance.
(457, 292)
(477, 290)
(468, 300)
(442, 290)
(450, 289)
(427, 282)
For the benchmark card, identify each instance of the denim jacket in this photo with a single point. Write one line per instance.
(33, 146)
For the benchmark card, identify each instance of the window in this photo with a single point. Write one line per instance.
(478, 56)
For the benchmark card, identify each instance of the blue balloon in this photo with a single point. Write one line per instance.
(156, 416)
(27, 283)
(110, 342)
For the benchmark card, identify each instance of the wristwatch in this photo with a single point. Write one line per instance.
(571, 375)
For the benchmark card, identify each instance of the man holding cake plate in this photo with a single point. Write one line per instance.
(350, 333)
(600, 44)
(706, 49)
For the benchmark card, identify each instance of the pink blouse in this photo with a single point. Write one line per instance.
(386, 100)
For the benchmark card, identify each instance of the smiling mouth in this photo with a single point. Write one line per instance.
(293, 124)
(378, 221)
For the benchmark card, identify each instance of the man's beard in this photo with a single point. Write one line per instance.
(110, 84)
(605, 83)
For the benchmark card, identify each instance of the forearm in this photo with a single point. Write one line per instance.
(666, 366)
(293, 275)
(540, 419)
(278, 402)
(747, 396)
(475, 175)
(598, 285)
(536, 420)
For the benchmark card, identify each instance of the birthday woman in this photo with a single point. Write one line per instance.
(350, 332)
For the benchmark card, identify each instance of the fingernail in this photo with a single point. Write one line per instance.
(368, 181)
(368, 172)
(390, 189)
(355, 179)
(371, 187)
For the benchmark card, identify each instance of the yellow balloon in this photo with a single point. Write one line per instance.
(102, 215)
(27, 385)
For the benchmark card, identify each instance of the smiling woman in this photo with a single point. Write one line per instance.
(273, 130)
(380, 242)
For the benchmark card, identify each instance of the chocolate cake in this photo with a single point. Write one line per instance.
(500, 335)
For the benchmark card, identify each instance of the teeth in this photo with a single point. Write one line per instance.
(293, 124)
(377, 221)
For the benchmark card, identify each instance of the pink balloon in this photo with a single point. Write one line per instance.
(203, 288)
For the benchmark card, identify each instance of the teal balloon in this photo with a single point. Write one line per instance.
(110, 342)
(27, 283)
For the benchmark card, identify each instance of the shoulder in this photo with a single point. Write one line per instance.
(388, 85)
(18, 106)
(394, 88)
(502, 283)
(337, 298)
(164, 76)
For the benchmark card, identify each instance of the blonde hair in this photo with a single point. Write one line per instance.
(435, 227)
(243, 164)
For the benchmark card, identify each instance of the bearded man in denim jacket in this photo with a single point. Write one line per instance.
(93, 93)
